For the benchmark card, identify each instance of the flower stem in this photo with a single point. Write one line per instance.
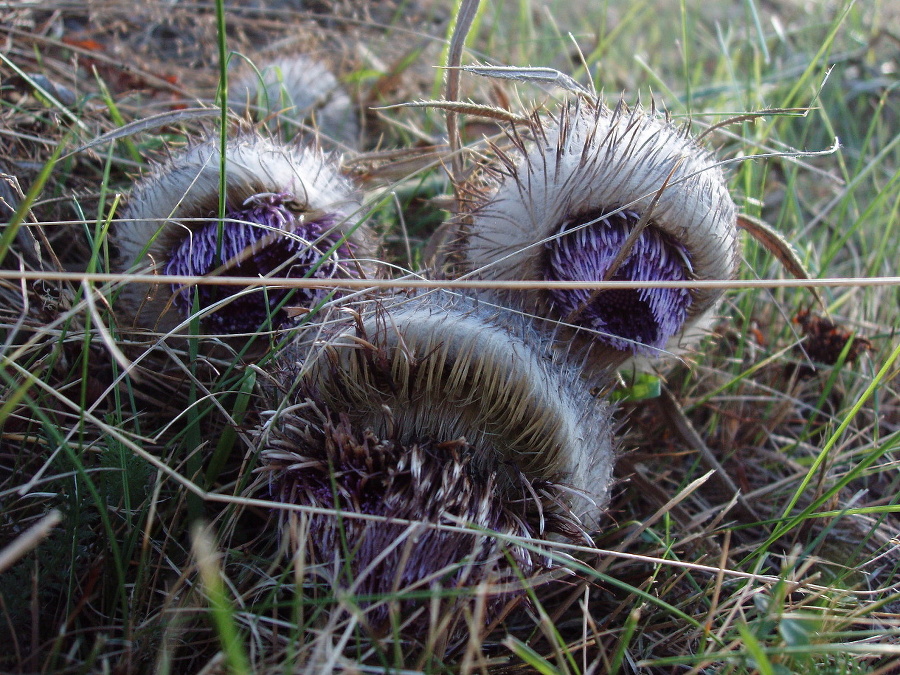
(222, 96)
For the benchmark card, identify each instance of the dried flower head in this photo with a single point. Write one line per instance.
(601, 194)
(445, 411)
(289, 213)
(293, 91)
(826, 340)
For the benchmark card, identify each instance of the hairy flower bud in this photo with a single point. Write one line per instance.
(289, 213)
(604, 195)
(293, 91)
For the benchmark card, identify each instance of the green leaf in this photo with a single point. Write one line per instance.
(755, 650)
(643, 386)
(797, 631)
(529, 656)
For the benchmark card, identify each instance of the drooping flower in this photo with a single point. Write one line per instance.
(289, 213)
(445, 411)
(604, 195)
(294, 91)
(450, 367)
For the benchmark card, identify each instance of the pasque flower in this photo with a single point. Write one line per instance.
(445, 411)
(292, 91)
(289, 213)
(598, 194)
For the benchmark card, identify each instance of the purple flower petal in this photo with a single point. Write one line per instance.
(426, 482)
(636, 320)
(255, 253)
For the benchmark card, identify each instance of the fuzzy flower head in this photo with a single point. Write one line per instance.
(605, 195)
(337, 466)
(293, 91)
(289, 213)
(442, 411)
(450, 368)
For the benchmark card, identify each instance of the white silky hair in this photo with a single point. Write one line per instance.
(302, 90)
(592, 160)
(445, 367)
(181, 195)
(596, 159)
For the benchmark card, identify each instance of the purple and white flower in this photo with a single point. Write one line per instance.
(604, 195)
(289, 213)
(446, 411)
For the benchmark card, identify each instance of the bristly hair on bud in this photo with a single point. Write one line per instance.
(602, 195)
(292, 92)
(449, 367)
(404, 550)
(441, 410)
(289, 213)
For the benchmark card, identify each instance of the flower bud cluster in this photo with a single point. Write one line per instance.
(446, 410)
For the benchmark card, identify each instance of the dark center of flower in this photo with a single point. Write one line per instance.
(636, 320)
(260, 238)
